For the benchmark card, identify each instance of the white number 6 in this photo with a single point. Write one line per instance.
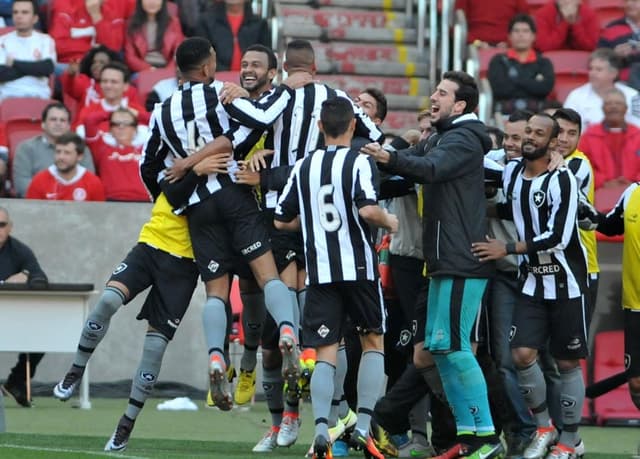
(329, 215)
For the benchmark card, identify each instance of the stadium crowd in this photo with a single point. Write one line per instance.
(492, 256)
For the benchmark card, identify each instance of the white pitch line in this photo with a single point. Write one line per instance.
(64, 450)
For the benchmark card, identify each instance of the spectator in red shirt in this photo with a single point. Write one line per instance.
(115, 155)
(623, 36)
(152, 36)
(488, 20)
(76, 25)
(566, 24)
(66, 179)
(231, 27)
(81, 81)
(613, 146)
(114, 81)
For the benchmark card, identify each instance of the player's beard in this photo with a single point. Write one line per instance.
(258, 83)
(535, 154)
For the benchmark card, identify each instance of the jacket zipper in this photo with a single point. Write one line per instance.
(438, 241)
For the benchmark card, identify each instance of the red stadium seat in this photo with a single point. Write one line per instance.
(484, 57)
(20, 130)
(605, 200)
(616, 406)
(607, 10)
(23, 108)
(148, 78)
(535, 5)
(571, 69)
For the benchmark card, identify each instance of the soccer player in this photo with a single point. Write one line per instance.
(162, 260)
(450, 167)
(332, 195)
(224, 219)
(623, 220)
(544, 206)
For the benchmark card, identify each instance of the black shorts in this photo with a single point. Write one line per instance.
(287, 247)
(226, 225)
(562, 323)
(631, 342)
(328, 305)
(172, 280)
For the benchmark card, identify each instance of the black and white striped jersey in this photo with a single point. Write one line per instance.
(544, 211)
(326, 189)
(294, 116)
(186, 121)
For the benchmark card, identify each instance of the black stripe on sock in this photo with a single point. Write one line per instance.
(215, 349)
(285, 323)
(335, 402)
(373, 352)
(276, 410)
(570, 428)
(364, 410)
(136, 403)
(86, 350)
(540, 408)
(322, 421)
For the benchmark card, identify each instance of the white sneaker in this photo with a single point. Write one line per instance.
(561, 452)
(268, 443)
(541, 441)
(289, 430)
(64, 389)
(120, 437)
(580, 449)
(218, 385)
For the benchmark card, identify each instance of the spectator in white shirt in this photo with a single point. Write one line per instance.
(603, 73)
(27, 57)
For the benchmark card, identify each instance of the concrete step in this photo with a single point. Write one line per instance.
(358, 67)
(342, 17)
(398, 5)
(339, 51)
(378, 35)
(398, 122)
(354, 84)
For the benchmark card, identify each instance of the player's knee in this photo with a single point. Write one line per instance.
(567, 365)
(372, 342)
(271, 359)
(422, 358)
(523, 357)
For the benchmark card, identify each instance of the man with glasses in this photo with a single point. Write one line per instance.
(18, 265)
(117, 154)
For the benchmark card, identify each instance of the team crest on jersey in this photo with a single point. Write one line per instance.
(121, 267)
(627, 361)
(79, 194)
(323, 331)
(539, 198)
(213, 266)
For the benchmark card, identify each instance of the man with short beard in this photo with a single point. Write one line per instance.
(66, 179)
(553, 264)
(449, 165)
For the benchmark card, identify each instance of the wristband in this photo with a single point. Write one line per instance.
(511, 248)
